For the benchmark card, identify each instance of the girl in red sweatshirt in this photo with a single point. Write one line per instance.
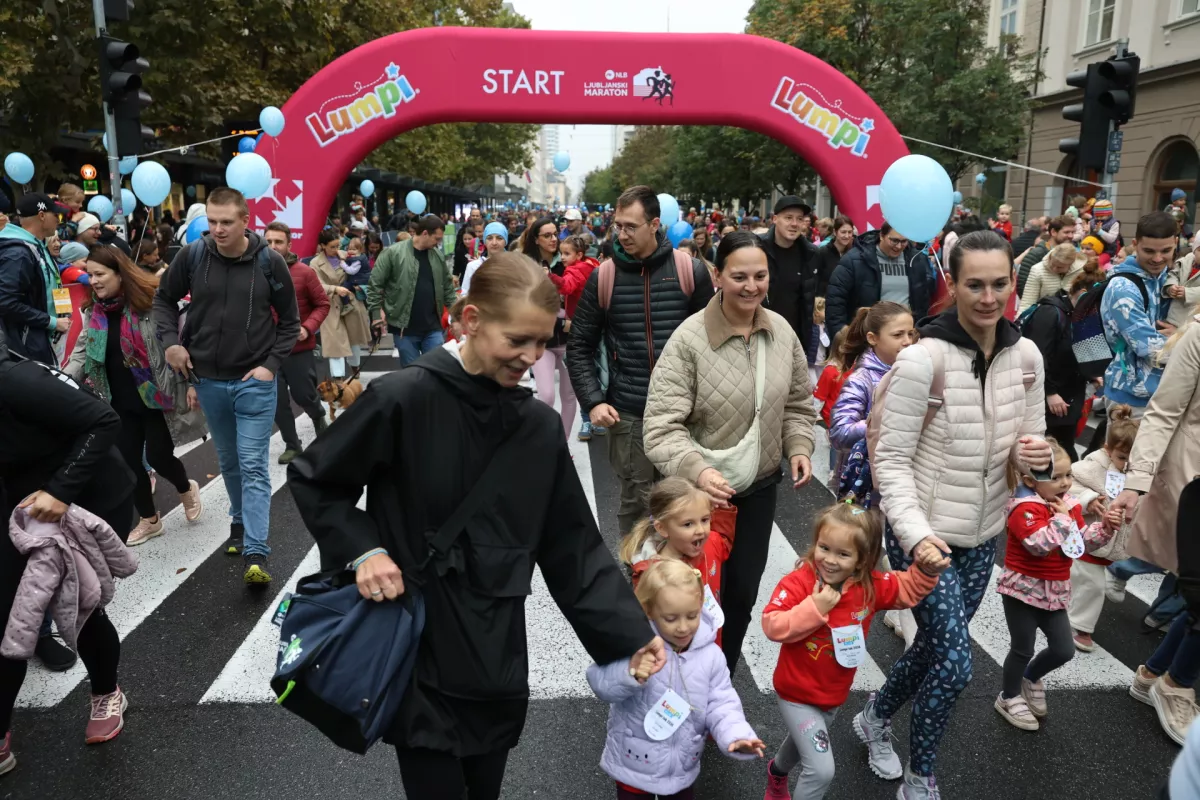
(822, 613)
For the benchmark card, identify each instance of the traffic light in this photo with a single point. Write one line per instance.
(1090, 148)
(121, 68)
(1120, 75)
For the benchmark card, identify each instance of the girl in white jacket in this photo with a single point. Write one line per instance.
(941, 480)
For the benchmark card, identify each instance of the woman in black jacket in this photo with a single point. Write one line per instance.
(1048, 325)
(57, 449)
(418, 440)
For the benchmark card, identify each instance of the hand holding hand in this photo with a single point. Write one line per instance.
(379, 578)
(826, 598)
(801, 471)
(1126, 502)
(648, 660)
(1035, 453)
(930, 554)
(713, 482)
(259, 374)
(179, 359)
(753, 747)
(44, 507)
(1114, 518)
(604, 415)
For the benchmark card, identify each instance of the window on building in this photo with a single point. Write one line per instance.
(1178, 168)
(1099, 21)
(1188, 7)
(1008, 17)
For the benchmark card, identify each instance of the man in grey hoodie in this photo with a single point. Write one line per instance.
(230, 347)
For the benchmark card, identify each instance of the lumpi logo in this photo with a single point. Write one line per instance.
(381, 99)
(839, 128)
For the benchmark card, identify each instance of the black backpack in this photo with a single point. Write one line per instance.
(262, 259)
(1088, 339)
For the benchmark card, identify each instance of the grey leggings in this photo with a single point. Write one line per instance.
(1023, 623)
(807, 743)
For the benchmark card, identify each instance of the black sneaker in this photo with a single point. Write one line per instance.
(233, 546)
(320, 423)
(54, 655)
(256, 570)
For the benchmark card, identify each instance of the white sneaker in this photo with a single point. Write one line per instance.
(144, 532)
(1016, 711)
(892, 620)
(918, 787)
(1035, 696)
(1139, 688)
(1114, 590)
(1176, 708)
(876, 734)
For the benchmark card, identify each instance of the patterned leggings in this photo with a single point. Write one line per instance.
(938, 666)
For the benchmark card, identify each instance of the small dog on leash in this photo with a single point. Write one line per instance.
(339, 394)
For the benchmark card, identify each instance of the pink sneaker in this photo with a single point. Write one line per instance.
(7, 759)
(777, 785)
(191, 502)
(108, 716)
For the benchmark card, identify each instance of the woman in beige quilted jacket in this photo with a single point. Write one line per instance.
(960, 405)
(702, 399)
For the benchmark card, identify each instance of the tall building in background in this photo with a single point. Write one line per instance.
(621, 135)
(1160, 141)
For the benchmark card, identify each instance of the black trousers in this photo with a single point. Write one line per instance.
(99, 644)
(1063, 433)
(435, 775)
(297, 377)
(743, 571)
(1023, 624)
(147, 431)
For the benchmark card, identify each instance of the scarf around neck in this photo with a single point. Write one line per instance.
(133, 350)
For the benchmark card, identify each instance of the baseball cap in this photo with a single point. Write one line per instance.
(86, 223)
(32, 204)
(791, 201)
(573, 213)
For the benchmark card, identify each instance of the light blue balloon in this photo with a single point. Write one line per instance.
(128, 201)
(250, 174)
(668, 210)
(957, 198)
(151, 183)
(366, 188)
(414, 201)
(190, 191)
(195, 229)
(981, 178)
(270, 119)
(679, 231)
(916, 197)
(101, 206)
(19, 167)
(562, 161)
(127, 164)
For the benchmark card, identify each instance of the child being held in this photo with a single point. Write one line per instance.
(683, 526)
(1096, 480)
(656, 731)
(822, 613)
(1046, 533)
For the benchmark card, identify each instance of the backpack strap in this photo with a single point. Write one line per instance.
(606, 277)
(1141, 284)
(685, 272)
(937, 387)
(262, 259)
(1028, 362)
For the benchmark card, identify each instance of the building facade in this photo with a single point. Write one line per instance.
(1160, 141)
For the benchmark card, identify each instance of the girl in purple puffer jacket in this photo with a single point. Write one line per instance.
(656, 731)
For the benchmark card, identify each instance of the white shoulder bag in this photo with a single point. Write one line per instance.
(739, 464)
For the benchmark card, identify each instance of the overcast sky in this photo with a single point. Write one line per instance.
(590, 146)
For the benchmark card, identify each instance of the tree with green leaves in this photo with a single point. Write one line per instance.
(647, 159)
(599, 188)
(227, 63)
(924, 62)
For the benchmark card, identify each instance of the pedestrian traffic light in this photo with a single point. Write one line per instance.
(121, 68)
(1120, 76)
(1090, 148)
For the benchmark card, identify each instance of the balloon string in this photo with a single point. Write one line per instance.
(197, 144)
(1006, 163)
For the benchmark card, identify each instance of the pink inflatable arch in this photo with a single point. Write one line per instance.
(433, 75)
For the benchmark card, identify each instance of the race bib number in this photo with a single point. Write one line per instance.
(666, 716)
(849, 645)
(1073, 546)
(713, 608)
(62, 302)
(1114, 483)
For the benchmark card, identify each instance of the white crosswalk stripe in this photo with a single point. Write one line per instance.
(557, 660)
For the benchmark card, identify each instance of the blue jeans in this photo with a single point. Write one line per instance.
(1167, 604)
(240, 417)
(937, 668)
(413, 346)
(1178, 653)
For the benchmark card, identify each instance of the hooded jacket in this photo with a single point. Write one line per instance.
(948, 479)
(27, 276)
(1129, 326)
(848, 421)
(647, 306)
(69, 572)
(858, 283)
(698, 674)
(417, 440)
(230, 327)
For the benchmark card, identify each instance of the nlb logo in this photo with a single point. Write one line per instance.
(838, 128)
(382, 99)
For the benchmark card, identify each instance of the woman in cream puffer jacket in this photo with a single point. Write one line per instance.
(942, 487)
(702, 392)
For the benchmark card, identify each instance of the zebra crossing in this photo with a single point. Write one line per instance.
(199, 649)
